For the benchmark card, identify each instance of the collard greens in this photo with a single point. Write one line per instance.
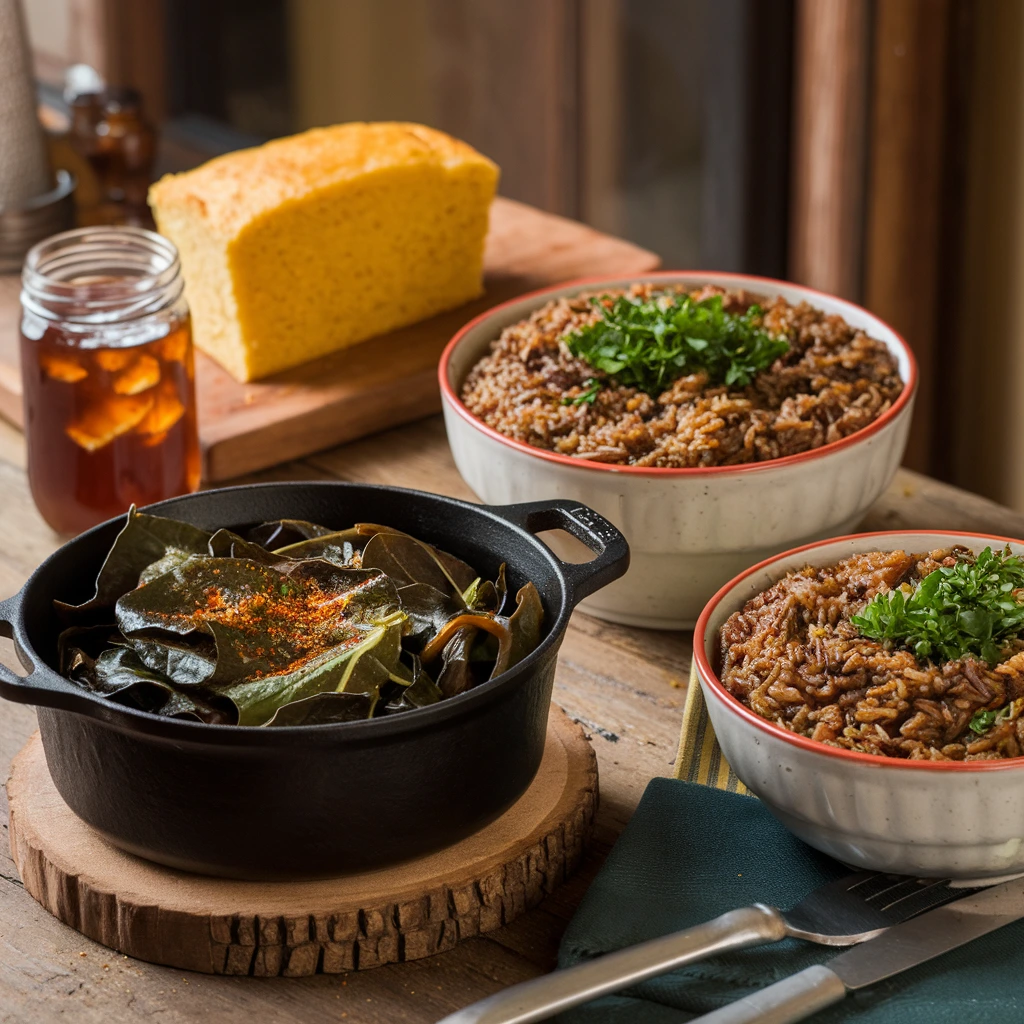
(289, 623)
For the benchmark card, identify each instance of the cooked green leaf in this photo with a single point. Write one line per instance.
(225, 544)
(418, 692)
(144, 540)
(361, 667)
(324, 709)
(408, 561)
(284, 531)
(456, 675)
(476, 620)
(525, 623)
(263, 620)
(88, 640)
(328, 627)
(119, 674)
(428, 610)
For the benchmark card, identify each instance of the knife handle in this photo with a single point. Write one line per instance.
(544, 997)
(789, 1000)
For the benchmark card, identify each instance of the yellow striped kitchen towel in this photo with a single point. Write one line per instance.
(700, 758)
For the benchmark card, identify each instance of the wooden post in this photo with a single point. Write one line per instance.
(903, 251)
(832, 51)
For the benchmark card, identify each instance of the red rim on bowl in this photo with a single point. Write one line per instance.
(804, 742)
(724, 280)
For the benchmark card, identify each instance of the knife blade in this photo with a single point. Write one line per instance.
(901, 947)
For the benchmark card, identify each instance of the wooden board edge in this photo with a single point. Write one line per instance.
(327, 943)
(347, 419)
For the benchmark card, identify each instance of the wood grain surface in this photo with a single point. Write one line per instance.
(625, 686)
(830, 106)
(381, 383)
(296, 929)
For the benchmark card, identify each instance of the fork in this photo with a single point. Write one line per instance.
(840, 913)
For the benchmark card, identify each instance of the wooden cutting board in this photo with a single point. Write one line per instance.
(352, 922)
(381, 383)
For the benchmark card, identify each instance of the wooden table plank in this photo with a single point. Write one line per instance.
(626, 685)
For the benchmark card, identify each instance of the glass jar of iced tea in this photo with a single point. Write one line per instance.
(106, 363)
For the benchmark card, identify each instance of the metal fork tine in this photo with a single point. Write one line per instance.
(926, 897)
(892, 894)
(879, 886)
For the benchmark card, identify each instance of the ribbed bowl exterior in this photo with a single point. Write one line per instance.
(946, 819)
(689, 531)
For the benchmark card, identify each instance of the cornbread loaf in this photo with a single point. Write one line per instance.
(312, 243)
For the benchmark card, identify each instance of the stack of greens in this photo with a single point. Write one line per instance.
(971, 608)
(974, 608)
(649, 344)
(289, 624)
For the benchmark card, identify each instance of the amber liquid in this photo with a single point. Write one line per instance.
(108, 427)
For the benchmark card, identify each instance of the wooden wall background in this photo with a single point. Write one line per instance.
(877, 190)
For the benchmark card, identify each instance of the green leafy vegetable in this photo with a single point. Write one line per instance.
(972, 607)
(651, 343)
(324, 708)
(144, 540)
(525, 624)
(326, 627)
(408, 561)
(281, 532)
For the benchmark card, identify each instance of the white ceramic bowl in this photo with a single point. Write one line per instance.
(932, 818)
(689, 530)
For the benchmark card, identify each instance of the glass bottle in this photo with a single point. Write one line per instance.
(124, 156)
(106, 362)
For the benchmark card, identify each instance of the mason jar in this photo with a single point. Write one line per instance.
(107, 373)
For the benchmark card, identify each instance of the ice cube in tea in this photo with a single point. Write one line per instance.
(139, 375)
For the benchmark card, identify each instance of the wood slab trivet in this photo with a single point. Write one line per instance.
(296, 929)
(381, 383)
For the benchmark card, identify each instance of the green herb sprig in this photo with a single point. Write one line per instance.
(587, 397)
(982, 721)
(967, 608)
(649, 344)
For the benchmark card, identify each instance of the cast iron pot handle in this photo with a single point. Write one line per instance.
(12, 686)
(585, 525)
(39, 686)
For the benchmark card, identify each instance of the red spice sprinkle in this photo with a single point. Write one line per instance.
(298, 617)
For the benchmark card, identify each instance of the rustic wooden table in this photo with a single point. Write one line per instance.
(625, 685)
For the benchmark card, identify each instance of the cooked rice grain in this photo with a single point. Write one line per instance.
(792, 656)
(835, 380)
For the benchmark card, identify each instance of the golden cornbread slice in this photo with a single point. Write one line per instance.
(312, 243)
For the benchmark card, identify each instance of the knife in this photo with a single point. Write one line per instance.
(901, 947)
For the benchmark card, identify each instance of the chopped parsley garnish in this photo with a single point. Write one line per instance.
(972, 607)
(649, 344)
(588, 397)
(982, 721)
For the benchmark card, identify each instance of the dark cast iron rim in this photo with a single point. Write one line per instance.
(132, 720)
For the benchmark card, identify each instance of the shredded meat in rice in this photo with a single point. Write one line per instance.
(792, 655)
(834, 380)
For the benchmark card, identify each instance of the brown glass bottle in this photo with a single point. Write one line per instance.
(110, 130)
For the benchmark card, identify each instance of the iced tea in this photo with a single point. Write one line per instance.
(109, 403)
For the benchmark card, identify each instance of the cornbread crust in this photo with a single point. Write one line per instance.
(312, 243)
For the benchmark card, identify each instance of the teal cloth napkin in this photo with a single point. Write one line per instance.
(691, 853)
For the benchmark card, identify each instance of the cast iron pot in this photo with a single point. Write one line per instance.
(309, 801)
